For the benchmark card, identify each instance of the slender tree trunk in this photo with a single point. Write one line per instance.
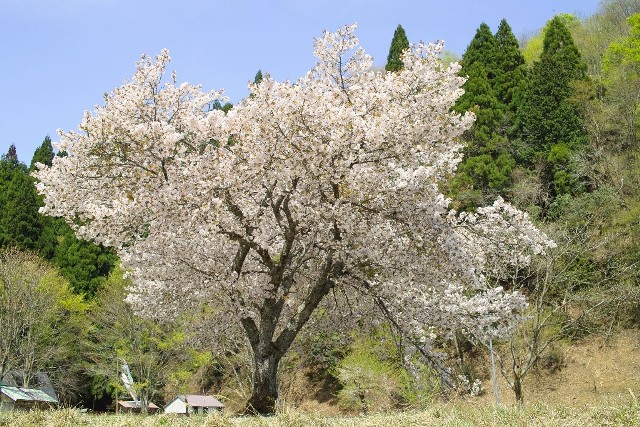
(264, 393)
(517, 389)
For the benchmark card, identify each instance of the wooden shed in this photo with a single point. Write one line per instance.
(12, 397)
(18, 393)
(133, 407)
(193, 404)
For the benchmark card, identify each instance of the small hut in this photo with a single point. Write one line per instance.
(16, 394)
(133, 407)
(24, 398)
(193, 404)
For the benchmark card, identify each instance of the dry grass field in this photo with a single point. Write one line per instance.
(598, 385)
(596, 371)
(439, 415)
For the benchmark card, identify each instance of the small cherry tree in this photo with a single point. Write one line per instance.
(325, 185)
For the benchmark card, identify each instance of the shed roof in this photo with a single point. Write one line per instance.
(130, 404)
(26, 394)
(200, 401)
(39, 381)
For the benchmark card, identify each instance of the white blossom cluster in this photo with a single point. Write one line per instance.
(330, 182)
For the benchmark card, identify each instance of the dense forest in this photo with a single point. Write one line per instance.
(556, 134)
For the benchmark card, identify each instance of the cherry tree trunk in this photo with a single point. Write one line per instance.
(517, 389)
(265, 385)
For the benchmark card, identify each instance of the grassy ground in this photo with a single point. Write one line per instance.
(598, 385)
(439, 415)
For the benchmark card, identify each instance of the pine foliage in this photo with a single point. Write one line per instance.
(43, 154)
(399, 44)
(495, 72)
(550, 123)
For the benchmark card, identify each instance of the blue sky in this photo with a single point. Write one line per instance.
(60, 56)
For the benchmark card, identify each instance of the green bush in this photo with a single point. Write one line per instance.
(369, 384)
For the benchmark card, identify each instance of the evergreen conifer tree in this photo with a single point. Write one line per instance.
(43, 154)
(480, 98)
(258, 78)
(11, 157)
(85, 264)
(478, 65)
(549, 123)
(486, 168)
(511, 69)
(19, 204)
(399, 44)
(483, 50)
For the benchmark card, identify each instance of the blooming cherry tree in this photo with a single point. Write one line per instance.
(323, 185)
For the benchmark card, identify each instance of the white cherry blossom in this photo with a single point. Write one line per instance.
(303, 189)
